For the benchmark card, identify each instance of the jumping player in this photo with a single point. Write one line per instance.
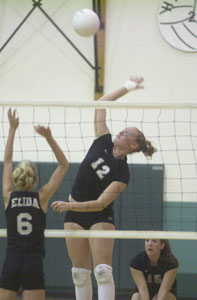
(102, 176)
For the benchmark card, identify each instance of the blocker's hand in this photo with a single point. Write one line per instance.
(13, 119)
(60, 206)
(44, 131)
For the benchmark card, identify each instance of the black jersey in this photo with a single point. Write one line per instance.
(26, 222)
(98, 169)
(153, 274)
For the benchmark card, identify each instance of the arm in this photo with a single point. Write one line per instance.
(140, 282)
(100, 125)
(107, 197)
(47, 191)
(7, 169)
(166, 284)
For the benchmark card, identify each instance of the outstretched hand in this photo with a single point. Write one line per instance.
(13, 120)
(138, 80)
(42, 130)
(60, 206)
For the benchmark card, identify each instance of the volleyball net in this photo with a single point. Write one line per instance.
(161, 198)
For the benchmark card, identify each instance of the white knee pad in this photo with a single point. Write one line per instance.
(81, 276)
(103, 274)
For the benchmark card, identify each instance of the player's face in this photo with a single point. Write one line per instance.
(153, 247)
(126, 138)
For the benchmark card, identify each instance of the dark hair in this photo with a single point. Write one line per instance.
(166, 253)
(144, 145)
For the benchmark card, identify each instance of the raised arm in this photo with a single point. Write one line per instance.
(7, 184)
(166, 284)
(47, 191)
(141, 284)
(100, 125)
(107, 197)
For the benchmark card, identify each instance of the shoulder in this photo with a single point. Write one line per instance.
(104, 138)
(170, 264)
(102, 142)
(8, 198)
(35, 194)
(139, 261)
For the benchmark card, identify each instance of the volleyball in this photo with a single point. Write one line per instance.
(86, 22)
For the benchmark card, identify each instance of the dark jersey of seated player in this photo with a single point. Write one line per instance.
(153, 274)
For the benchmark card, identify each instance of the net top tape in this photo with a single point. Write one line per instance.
(118, 234)
(101, 104)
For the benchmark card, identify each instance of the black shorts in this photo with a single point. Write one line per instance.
(86, 220)
(25, 271)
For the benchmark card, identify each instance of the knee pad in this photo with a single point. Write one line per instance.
(103, 274)
(81, 276)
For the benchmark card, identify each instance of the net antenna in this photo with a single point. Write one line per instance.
(96, 68)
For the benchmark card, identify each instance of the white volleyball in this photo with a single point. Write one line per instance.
(86, 22)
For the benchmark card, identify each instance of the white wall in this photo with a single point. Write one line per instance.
(39, 64)
(139, 48)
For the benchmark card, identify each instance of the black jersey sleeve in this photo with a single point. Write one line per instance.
(137, 262)
(122, 172)
(171, 265)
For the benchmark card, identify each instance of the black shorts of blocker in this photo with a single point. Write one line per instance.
(22, 271)
(87, 219)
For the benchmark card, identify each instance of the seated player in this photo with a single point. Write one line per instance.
(154, 272)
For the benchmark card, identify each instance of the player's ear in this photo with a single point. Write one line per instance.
(134, 146)
(36, 179)
(162, 245)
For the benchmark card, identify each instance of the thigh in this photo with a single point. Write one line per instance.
(169, 297)
(7, 295)
(78, 248)
(135, 296)
(33, 273)
(33, 295)
(102, 248)
(11, 273)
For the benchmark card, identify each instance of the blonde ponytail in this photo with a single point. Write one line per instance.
(24, 176)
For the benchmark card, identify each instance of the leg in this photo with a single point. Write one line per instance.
(79, 253)
(170, 296)
(33, 279)
(33, 295)
(7, 294)
(78, 249)
(10, 279)
(102, 251)
(135, 296)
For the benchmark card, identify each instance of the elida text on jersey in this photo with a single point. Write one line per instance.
(25, 201)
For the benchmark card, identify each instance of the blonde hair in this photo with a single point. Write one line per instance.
(24, 175)
(144, 145)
